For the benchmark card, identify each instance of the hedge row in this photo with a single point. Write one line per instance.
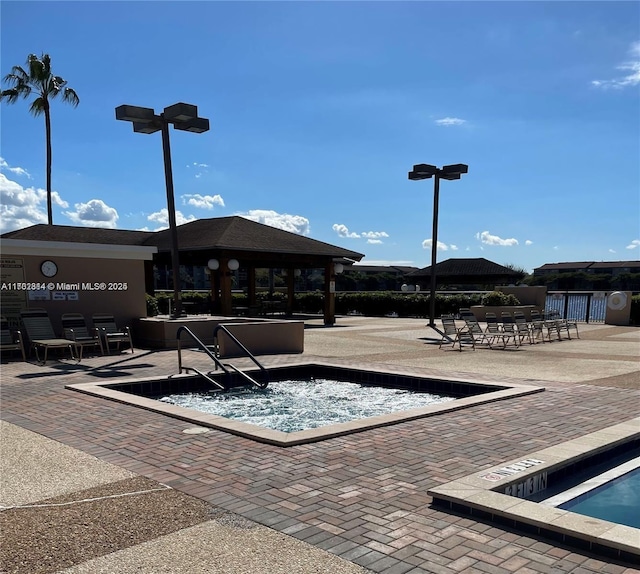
(371, 303)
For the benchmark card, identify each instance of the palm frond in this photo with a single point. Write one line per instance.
(71, 97)
(37, 106)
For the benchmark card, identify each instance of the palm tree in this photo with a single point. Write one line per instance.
(39, 80)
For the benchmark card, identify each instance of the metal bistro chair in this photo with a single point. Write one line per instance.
(110, 333)
(76, 330)
(10, 340)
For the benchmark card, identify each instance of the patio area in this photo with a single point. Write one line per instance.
(349, 504)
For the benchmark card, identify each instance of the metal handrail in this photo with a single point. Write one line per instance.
(200, 346)
(246, 351)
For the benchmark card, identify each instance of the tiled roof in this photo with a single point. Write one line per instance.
(234, 233)
(70, 233)
(563, 266)
(584, 265)
(466, 267)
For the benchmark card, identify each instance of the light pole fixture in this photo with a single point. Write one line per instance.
(426, 171)
(146, 121)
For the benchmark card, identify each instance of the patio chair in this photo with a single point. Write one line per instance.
(475, 330)
(110, 333)
(509, 328)
(524, 327)
(548, 325)
(75, 329)
(495, 333)
(451, 332)
(10, 340)
(38, 329)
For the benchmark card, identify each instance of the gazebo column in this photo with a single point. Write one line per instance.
(251, 287)
(329, 294)
(291, 284)
(226, 302)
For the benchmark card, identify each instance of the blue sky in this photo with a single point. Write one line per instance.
(319, 109)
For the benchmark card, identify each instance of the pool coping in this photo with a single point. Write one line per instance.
(278, 438)
(478, 495)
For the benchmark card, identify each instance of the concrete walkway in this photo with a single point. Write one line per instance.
(95, 486)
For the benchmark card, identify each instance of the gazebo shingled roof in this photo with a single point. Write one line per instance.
(228, 233)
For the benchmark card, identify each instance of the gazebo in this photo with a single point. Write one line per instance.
(223, 240)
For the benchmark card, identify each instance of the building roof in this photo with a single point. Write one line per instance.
(241, 234)
(232, 233)
(468, 268)
(584, 265)
(397, 269)
(74, 234)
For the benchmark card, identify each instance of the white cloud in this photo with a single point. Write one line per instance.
(488, 239)
(427, 243)
(634, 244)
(16, 170)
(632, 67)
(343, 231)
(612, 251)
(202, 201)
(293, 223)
(23, 206)
(94, 213)
(528, 242)
(162, 217)
(450, 121)
(374, 237)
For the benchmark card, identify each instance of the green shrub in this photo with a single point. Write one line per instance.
(152, 305)
(499, 299)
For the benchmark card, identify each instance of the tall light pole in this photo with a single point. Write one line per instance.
(145, 121)
(426, 171)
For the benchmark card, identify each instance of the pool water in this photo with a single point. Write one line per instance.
(616, 501)
(295, 405)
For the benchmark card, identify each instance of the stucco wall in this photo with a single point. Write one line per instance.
(123, 295)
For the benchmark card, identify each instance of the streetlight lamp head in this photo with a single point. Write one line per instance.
(456, 168)
(146, 128)
(135, 114)
(422, 171)
(180, 112)
(195, 125)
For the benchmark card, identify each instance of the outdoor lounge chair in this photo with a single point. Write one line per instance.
(525, 328)
(454, 334)
(476, 331)
(548, 325)
(10, 340)
(75, 329)
(110, 333)
(495, 332)
(38, 329)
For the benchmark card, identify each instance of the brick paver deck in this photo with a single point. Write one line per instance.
(362, 496)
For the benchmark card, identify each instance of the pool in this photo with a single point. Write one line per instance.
(297, 405)
(613, 495)
(520, 494)
(466, 393)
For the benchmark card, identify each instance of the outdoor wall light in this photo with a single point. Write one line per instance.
(145, 121)
(338, 268)
(213, 264)
(427, 171)
(233, 264)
